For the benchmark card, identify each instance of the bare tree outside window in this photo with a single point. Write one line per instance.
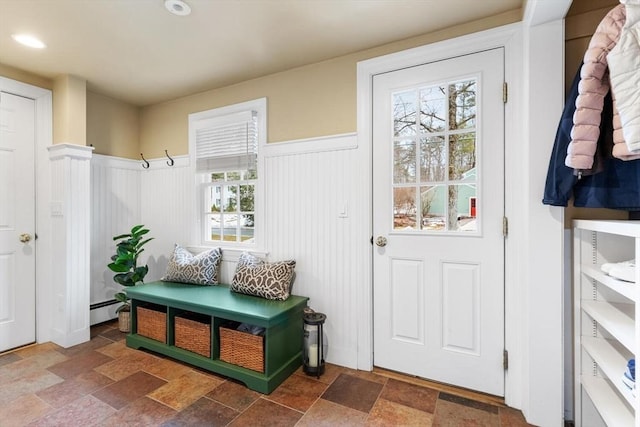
(435, 145)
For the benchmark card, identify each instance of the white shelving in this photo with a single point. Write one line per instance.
(606, 322)
(612, 410)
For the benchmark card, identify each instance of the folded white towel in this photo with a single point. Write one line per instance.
(606, 267)
(624, 272)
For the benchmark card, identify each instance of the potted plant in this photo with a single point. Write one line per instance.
(125, 265)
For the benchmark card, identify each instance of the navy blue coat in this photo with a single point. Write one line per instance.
(614, 184)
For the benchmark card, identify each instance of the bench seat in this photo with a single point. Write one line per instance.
(281, 320)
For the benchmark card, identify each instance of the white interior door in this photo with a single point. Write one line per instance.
(17, 221)
(438, 207)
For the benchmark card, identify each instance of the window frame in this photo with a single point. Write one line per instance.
(200, 179)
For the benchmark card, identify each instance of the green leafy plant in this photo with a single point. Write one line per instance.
(125, 261)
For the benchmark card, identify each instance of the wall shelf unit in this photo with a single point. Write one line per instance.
(606, 328)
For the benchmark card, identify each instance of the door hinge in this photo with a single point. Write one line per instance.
(505, 226)
(505, 359)
(505, 92)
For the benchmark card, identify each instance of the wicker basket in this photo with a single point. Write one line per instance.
(124, 321)
(152, 323)
(242, 349)
(193, 333)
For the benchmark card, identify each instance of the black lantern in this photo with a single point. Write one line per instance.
(313, 352)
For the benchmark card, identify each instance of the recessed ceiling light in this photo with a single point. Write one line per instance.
(29, 40)
(177, 7)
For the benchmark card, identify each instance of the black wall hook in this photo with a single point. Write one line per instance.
(146, 163)
(170, 162)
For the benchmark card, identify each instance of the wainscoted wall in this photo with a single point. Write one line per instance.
(315, 213)
(124, 194)
(168, 210)
(115, 208)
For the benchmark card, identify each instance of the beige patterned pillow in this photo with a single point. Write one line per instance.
(270, 280)
(201, 269)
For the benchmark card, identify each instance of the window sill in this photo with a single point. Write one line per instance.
(228, 253)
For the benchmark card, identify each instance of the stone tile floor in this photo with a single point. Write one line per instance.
(104, 383)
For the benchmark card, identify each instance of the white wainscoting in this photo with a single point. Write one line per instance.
(315, 212)
(115, 208)
(168, 204)
(124, 194)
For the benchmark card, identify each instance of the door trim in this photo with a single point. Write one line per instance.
(44, 136)
(426, 351)
(534, 301)
(508, 37)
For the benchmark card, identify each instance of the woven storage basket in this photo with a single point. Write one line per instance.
(152, 324)
(193, 333)
(124, 321)
(242, 349)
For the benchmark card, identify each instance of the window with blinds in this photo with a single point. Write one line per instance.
(224, 144)
(227, 143)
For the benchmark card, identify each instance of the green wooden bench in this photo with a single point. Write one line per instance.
(217, 306)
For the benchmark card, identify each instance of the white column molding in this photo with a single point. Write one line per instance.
(63, 150)
(69, 214)
(542, 254)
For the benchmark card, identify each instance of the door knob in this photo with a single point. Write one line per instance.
(381, 241)
(25, 237)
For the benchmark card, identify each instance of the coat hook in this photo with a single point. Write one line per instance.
(146, 163)
(170, 162)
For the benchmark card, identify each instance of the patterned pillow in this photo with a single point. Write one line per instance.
(270, 280)
(201, 269)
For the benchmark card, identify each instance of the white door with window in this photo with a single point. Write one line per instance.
(17, 221)
(438, 207)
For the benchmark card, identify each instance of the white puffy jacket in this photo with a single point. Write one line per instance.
(624, 72)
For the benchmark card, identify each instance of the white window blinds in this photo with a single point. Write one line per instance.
(227, 143)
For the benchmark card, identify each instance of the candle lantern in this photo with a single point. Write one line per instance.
(313, 352)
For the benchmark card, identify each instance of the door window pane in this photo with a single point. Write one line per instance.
(462, 156)
(404, 208)
(432, 159)
(462, 105)
(404, 161)
(435, 169)
(432, 202)
(404, 113)
(433, 109)
(462, 207)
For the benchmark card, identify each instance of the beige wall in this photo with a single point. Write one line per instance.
(25, 77)
(581, 21)
(112, 126)
(69, 102)
(311, 101)
(70, 110)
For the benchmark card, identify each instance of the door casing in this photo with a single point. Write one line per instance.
(44, 136)
(509, 38)
(423, 258)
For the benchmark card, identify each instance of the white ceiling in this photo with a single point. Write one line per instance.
(136, 51)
